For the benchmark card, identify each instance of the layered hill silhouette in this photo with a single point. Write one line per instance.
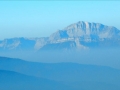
(10, 80)
(65, 76)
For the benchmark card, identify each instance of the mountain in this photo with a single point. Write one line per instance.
(87, 35)
(80, 35)
(75, 76)
(87, 31)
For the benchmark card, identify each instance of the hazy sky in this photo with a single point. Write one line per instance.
(42, 18)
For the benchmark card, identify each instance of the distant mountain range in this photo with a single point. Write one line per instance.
(16, 74)
(80, 35)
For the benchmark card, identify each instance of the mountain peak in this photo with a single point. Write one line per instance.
(87, 30)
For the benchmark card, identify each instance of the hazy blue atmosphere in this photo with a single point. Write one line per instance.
(59, 45)
(41, 18)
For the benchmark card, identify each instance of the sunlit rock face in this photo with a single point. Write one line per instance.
(87, 30)
(88, 35)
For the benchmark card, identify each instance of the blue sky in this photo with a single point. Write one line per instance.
(42, 18)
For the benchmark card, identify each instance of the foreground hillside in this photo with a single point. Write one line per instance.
(10, 80)
(64, 75)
